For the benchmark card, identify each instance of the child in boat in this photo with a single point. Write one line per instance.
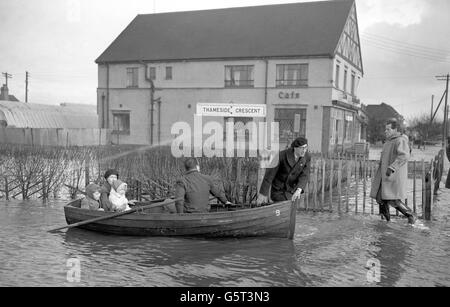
(91, 201)
(117, 196)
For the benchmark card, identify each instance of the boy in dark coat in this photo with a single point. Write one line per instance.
(289, 178)
(194, 189)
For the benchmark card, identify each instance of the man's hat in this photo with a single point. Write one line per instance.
(299, 142)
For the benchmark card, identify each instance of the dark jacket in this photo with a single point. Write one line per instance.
(288, 175)
(195, 188)
(104, 197)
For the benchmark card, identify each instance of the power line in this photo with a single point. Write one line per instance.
(406, 49)
(387, 48)
(406, 44)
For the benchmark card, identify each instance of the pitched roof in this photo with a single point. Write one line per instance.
(296, 29)
(382, 111)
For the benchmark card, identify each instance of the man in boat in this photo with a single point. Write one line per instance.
(288, 179)
(194, 189)
(390, 182)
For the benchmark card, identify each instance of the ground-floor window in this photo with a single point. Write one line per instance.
(121, 122)
(292, 124)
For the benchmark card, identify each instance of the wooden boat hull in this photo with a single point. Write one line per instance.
(273, 221)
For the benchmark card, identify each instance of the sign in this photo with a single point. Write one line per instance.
(289, 95)
(231, 110)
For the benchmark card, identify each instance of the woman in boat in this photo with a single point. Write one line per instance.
(111, 175)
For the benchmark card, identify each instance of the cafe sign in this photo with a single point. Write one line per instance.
(231, 110)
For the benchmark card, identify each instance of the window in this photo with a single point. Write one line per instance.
(121, 123)
(132, 77)
(169, 73)
(152, 73)
(345, 80)
(338, 72)
(292, 124)
(348, 127)
(352, 84)
(292, 75)
(239, 76)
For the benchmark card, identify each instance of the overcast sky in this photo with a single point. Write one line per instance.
(405, 44)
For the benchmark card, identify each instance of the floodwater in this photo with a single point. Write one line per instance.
(329, 249)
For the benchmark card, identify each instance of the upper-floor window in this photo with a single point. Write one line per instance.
(292, 75)
(345, 79)
(169, 73)
(239, 76)
(338, 72)
(132, 76)
(152, 73)
(352, 84)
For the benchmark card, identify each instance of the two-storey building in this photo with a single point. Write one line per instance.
(301, 60)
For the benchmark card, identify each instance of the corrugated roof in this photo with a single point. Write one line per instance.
(296, 29)
(30, 115)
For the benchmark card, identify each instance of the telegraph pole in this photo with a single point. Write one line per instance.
(445, 78)
(7, 76)
(27, 75)
(432, 106)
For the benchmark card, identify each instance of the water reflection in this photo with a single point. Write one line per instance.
(393, 252)
(191, 261)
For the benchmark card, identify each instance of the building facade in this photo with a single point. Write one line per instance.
(306, 76)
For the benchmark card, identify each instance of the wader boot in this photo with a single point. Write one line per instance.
(405, 211)
(384, 210)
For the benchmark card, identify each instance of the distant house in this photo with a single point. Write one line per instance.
(383, 112)
(4, 94)
(378, 115)
(301, 62)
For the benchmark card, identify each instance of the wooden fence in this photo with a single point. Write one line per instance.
(336, 183)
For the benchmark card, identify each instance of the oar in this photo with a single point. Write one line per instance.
(102, 218)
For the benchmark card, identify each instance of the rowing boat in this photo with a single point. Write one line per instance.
(275, 220)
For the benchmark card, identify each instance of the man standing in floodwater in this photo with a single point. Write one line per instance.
(391, 178)
(289, 178)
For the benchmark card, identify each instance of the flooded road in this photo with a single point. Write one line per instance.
(329, 249)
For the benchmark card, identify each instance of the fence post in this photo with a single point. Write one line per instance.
(331, 183)
(364, 183)
(6, 188)
(356, 182)
(349, 173)
(414, 186)
(339, 183)
(423, 189)
(316, 171)
(372, 173)
(324, 166)
(86, 170)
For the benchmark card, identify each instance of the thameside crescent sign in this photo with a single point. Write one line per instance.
(231, 110)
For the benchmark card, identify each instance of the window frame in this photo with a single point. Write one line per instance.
(284, 82)
(169, 76)
(116, 113)
(152, 72)
(134, 73)
(246, 83)
(337, 75)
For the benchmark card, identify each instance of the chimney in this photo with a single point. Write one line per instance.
(4, 95)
